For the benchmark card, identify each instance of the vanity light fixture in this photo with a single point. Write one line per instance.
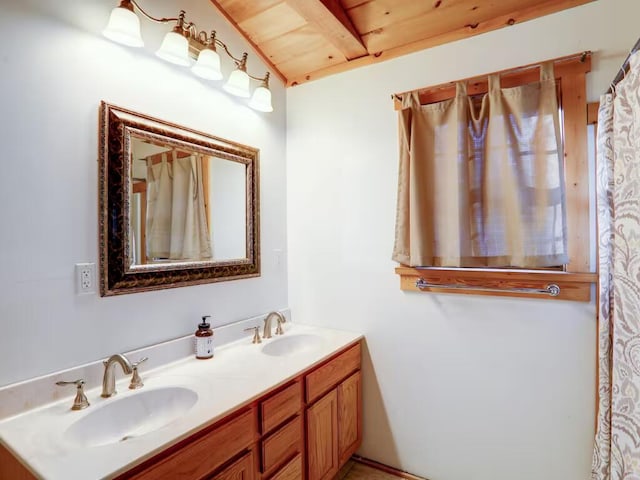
(124, 28)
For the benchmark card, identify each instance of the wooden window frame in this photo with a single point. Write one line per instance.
(576, 279)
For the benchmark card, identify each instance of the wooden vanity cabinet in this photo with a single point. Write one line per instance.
(333, 415)
(305, 429)
(312, 426)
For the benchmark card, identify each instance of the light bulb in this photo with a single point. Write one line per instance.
(238, 84)
(174, 49)
(124, 27)
(261, 99)
(208, 65)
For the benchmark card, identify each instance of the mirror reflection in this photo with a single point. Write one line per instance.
(185, 205)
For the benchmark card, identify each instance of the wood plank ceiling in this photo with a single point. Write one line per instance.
(303, 40)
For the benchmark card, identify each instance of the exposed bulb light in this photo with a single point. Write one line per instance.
(175, 48)
(124, 26)
(208, 64)
(261, 99)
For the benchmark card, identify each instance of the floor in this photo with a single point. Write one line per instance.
(357, 471)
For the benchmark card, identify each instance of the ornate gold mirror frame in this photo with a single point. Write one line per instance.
(118, 272)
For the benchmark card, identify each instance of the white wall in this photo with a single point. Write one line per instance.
(55, 69)
(455, 386)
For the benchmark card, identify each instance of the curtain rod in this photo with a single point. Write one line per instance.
(623, 69)
(581, 57)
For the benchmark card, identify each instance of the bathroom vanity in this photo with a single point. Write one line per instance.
(287, 409)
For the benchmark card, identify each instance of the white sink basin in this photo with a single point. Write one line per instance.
(293, 344)
(120, 419)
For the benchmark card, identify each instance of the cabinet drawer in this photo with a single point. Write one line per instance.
(282, 444)
(242, 469)
(330, 374)
(281, 406)
(291, 471)
(204, 455)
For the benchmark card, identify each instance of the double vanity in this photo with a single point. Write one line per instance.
(285, 409)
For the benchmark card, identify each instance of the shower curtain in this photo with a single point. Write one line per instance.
(617, 443)
(176, 218)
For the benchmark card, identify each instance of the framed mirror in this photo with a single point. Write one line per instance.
(177, 207)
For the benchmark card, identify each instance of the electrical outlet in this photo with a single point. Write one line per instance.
(85, 278)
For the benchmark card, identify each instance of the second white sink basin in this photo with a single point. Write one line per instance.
(293, 344)
(120, 419)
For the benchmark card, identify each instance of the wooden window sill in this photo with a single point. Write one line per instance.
(573, 286)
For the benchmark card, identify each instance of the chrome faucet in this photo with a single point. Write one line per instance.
(267, 324)
(109, 378)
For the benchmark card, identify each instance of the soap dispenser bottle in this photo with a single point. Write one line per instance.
(204, 339)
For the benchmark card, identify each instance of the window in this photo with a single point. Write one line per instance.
(456, 247)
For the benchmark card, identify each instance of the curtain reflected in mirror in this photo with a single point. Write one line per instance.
(185, 205)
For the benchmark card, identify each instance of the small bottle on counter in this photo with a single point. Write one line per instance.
(204, 339)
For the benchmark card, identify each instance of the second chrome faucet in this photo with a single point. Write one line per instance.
(267, 324)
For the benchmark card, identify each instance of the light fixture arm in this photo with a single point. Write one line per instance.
(264, 80)
(229, 54)
(126, 3)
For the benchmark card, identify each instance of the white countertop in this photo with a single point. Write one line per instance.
(237, 375)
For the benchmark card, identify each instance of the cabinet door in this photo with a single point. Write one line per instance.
(242, 469)
(349, 417)
(322, 435)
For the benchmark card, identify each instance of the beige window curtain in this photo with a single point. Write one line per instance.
(176, 218)
(481, 179)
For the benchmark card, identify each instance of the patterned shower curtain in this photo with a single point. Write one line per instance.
(617, 444)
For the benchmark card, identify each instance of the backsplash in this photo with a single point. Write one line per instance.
(23, 396)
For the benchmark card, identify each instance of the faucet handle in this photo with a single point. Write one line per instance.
(256, 333)
(279, 329)
(80, 402)
(143, 359)
(136, 381)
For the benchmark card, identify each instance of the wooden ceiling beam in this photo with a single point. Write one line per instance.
(521, 15)
(334, 24)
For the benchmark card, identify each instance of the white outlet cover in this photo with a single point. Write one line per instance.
(85, 278)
